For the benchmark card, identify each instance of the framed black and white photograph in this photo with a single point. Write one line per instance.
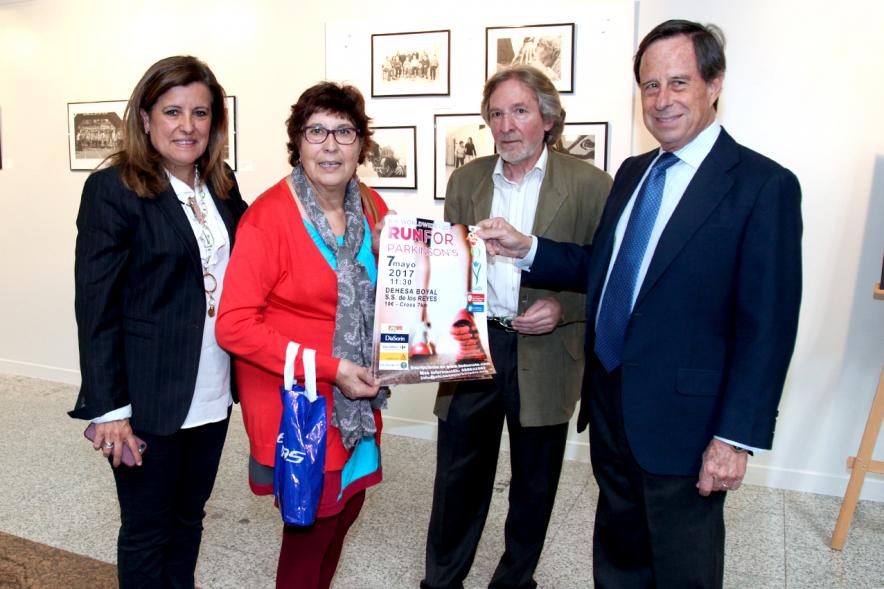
(95, 130)
(586, 141)
(230, 146)
(458, 140)
(549, 48)
(411, 64)
(391, 163)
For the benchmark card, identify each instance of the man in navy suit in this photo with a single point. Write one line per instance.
(693, 284)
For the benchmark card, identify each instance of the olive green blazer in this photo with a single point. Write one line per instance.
(572, 197)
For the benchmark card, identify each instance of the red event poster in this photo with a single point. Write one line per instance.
(430, 305)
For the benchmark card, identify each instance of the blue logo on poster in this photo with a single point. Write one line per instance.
(476, 270)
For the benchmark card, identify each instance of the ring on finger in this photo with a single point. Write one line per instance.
(108, 445)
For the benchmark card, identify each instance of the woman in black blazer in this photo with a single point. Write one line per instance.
(155, 231)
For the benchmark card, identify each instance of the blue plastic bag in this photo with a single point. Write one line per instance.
(300, 446)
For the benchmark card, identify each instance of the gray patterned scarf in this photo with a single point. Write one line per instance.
(354, 319)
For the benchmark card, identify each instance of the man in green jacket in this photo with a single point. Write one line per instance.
(536, 338)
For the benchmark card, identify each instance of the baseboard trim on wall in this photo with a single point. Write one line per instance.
(54, 373)
(812, 482)
(765, 476)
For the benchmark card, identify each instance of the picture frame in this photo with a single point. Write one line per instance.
(230, 145)
(392, 162)
(95, 130)
(585, 141)
(449, 131)
(411, 64)
(549, 47)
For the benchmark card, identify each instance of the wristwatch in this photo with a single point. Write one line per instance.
(740, 450)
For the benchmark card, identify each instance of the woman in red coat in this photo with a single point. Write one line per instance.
(304, 271)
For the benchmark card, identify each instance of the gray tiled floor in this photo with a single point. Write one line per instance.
(55, 490)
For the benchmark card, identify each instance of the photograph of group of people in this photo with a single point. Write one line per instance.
(97, 133)
(411, 66)
(95, 130)
(165, 351)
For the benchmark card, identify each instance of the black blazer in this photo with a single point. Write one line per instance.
(713, 327)
(140, 302)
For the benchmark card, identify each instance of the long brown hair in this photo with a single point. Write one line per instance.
(141, 166)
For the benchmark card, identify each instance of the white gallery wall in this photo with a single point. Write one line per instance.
(803, 87)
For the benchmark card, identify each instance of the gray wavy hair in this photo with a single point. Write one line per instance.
(547, 96)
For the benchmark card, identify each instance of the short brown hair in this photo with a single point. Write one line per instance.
(547, 96)
(141, 166)
(708, 43)
(334, 98)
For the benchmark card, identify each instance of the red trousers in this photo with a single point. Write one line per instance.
(309, 555)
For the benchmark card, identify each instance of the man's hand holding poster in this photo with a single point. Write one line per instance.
(430, 304)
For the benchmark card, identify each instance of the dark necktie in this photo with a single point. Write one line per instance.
(617, 303)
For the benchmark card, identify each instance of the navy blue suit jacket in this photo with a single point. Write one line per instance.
(713, 327)
(140, 302)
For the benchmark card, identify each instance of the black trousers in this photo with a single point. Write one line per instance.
(650, 530)
(161, 506)
(466, 463)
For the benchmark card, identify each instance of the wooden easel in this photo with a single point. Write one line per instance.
(862, 463)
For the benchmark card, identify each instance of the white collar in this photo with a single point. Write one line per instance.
(696, 151)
